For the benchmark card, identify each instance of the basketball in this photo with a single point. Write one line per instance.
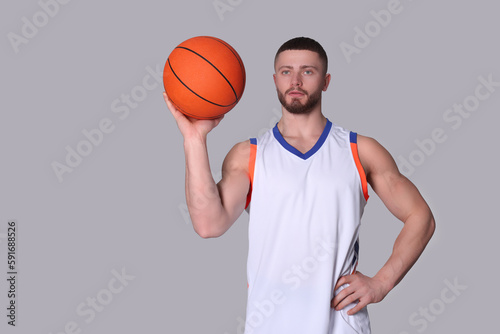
(204, 77)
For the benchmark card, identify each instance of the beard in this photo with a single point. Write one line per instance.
(295, 106)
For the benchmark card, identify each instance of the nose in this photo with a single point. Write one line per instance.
(296, 80)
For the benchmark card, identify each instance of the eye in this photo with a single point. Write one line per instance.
(285, 72)
(308, 72)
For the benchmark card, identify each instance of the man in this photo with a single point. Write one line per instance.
(304, 183)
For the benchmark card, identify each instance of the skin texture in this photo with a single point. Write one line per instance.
(300, 80)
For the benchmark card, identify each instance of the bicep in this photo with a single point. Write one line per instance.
(397, 193)
(235, 183)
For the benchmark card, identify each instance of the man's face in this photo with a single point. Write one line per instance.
(299, 80)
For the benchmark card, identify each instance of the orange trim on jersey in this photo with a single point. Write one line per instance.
(361, 171)
(251, 168)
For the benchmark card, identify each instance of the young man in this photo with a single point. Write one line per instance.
(304, 183)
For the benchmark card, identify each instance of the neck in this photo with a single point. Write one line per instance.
(302, 125)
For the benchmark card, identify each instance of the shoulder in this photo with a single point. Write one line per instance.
(374, 158)
(368, 143)
(238, 156)
(241, 146)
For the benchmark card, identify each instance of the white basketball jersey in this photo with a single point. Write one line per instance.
(305, 211)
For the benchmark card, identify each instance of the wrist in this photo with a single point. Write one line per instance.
(195, 140)
(385, 281)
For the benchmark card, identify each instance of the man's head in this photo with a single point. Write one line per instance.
(304, 43)
(300, 74)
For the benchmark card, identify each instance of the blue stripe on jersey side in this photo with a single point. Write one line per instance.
(356, 253)
(353, 136)
(253, 141)
(293, 150)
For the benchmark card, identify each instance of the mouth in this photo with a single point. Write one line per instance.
(296, 93)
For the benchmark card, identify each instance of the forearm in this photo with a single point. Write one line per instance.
(408, 247)
(202, 196)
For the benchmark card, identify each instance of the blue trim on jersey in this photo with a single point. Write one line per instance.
(356, 252)
(293, 150)
(353, 136)
(253, 141)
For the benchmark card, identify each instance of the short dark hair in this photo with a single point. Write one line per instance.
(304, 43)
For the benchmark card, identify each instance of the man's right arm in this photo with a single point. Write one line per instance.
(213, 207)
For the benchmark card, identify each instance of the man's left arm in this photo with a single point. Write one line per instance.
(404, 201)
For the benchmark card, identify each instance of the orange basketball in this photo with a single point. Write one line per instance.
(204, 77)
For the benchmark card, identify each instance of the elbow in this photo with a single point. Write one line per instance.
(208, 225)
(207, 231)
(206, 234)
(432, 226)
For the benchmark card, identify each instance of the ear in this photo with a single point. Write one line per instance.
(328, 77)
(274, 78)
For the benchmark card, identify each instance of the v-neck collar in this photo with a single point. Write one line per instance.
(293, 150)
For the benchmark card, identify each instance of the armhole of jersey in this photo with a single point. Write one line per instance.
(251, 168)
(354, 149)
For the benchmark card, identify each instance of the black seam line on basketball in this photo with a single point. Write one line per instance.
(192, 91)
(193, 115)
(232, 51)
(205, 59)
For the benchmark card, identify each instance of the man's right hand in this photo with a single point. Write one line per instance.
(191, 127)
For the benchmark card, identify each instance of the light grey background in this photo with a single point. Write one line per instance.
(123, 207)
